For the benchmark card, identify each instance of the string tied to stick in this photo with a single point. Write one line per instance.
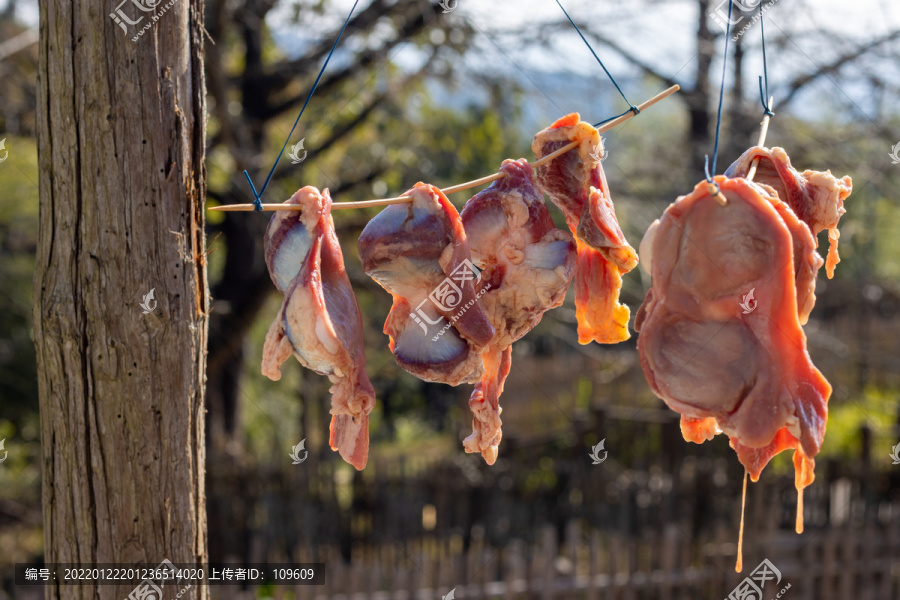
(631, 107)
(764, 94)
(712, 187)
(709, 178)
(257, 203)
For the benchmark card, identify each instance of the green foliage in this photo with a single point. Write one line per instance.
(20, 473)
(873, 408)
(18, 239)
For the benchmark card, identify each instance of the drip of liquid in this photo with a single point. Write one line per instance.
(804, 474)
(739, 566)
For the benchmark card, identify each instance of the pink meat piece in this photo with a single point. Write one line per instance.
(816, 197)
(526, 265)
(720, 359)
(319, 321)
(576, 183)
(419, 252)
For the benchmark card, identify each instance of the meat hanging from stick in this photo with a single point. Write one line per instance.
(419, 253)
(807, 260)
(576, 183)
(526, 266)
(319, 321)
(720, 338)
(816, 197)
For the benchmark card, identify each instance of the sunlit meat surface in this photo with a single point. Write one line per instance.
(576, 183)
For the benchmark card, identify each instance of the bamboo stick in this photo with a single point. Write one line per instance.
(764, 130)
(714, 191)
(459, 187)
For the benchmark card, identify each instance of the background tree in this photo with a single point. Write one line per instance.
(121, 136)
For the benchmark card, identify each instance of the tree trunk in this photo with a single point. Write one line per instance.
(121, 135)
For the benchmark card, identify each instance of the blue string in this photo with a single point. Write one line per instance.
(632, 108)
(709, 178)
(764, 96)
(257, 204)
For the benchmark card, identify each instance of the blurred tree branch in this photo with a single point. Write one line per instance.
(800, 82)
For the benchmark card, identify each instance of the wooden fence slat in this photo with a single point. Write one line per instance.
(508, 573)
(871, 561)
(631, 557)
(849, 556)
(811, 557)
(829, 565)
(487, 561)
(853, 562)
(593, 564)
(548, 549)
(416, 571)
(613, 547)
(889, 554)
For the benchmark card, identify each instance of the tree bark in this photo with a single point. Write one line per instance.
(121, 136)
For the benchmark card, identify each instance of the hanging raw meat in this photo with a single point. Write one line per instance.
(807, 260)
(418, 252)
(720, 338)
(319, 321)
(816, 197)
(576, 183)
(526, 265)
